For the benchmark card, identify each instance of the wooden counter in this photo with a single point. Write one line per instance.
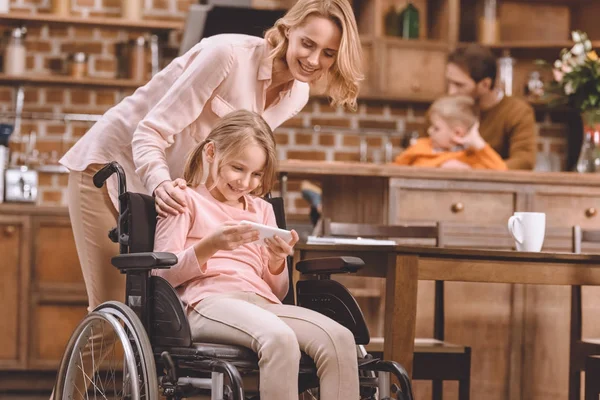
(519, 334)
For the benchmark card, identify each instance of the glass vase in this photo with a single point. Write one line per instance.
(589, 157)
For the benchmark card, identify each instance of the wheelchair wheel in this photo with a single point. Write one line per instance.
(108, 357)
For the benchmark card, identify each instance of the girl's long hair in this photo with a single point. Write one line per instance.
(345, 74)
(234, 132)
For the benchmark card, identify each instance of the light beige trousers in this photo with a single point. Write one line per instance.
(277, 333)
(92, 216)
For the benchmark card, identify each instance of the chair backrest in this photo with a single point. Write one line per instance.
(140, 222)
(581, 236)
(578, 237)
(397, 232)
(384, 231)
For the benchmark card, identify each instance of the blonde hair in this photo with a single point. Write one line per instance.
(346, 72)
(455, 110)
(234, 132)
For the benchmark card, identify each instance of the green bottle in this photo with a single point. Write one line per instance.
(390, 22)
(408, 22)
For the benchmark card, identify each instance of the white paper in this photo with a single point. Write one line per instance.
(354, 241)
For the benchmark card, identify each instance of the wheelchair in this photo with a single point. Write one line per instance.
(142, 349)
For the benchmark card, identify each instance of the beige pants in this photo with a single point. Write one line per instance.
(92, 217)
(277, 333)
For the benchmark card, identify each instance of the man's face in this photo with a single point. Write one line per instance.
(459, 82)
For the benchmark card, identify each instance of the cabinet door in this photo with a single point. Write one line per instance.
(14, 288)
(413, 70)
(60, 301)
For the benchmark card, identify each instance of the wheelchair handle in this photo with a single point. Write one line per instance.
(113, 167)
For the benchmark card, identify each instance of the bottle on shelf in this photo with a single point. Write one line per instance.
(131, 10)
(390, 22)
(15, 54)
(408, 22)
(488, 27)
(506, 65)
(61, 7)
(4, 6)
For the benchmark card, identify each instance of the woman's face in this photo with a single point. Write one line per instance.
(312, 48)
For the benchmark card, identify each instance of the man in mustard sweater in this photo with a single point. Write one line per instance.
(507, 124)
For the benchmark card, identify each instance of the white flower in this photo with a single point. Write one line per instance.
(569, 90)
(576, 36)
(578, 49)
(557, 64)
(588, 45)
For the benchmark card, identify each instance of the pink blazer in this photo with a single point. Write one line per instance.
(150, 132)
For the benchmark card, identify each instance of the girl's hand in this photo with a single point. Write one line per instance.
(232, 235)
(169, 197)
(279, 249)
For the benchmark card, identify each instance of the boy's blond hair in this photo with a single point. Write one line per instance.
(455, 110)
(235, 132)
(346, 72)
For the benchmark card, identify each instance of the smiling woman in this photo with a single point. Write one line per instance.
(319, 39)
(150, 132)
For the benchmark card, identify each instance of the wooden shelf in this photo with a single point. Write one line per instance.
(67, 80)
(39, 19)
(534, 44)
(408, 43)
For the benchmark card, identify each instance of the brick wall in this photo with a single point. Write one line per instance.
(296, 139)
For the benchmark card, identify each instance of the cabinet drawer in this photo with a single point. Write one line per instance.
(569, 210)
(477, 208)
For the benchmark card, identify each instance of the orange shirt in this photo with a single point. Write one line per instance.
(422, 154)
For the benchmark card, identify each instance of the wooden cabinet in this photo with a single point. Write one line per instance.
(412, 69)
(42, 292)
(14, 287)
(519, 334)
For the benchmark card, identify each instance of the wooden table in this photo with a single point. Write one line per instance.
(402, 266)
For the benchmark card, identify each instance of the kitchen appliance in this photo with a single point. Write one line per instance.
(21, 184)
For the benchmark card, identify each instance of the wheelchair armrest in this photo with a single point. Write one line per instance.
(330, 265)
(141, 261)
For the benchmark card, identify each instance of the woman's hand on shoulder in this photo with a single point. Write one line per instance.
(231, 235)
(169, 197)
(279, 249)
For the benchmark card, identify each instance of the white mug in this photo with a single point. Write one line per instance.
(528, 229)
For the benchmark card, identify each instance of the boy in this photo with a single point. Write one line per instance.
(454, 139)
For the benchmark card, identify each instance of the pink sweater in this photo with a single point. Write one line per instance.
(150, 132)
(244, 269)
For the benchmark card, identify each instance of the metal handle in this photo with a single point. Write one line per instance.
(10, 230)
(457, 207)
(591, 212)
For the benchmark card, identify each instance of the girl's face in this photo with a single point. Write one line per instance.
(240, 176)
(312, 48)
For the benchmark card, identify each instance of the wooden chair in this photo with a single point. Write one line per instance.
(581, 349)
(434, 359)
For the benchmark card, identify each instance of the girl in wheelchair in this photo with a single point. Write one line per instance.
(231, 286)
